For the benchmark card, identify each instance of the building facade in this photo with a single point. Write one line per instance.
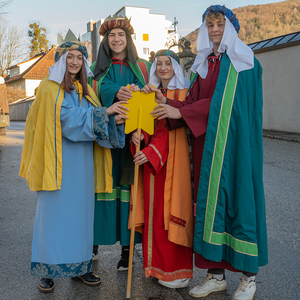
(27, 75)
(151, 32)
(281, 73)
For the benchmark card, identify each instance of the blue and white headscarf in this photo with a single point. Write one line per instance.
(239, 53)
(178, 81)
(225, 12)
(57, 72)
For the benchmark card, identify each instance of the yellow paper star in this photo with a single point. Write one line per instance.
(142, 104)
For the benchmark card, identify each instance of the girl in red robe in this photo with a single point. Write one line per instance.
(167, 230)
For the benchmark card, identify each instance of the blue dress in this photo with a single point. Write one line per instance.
(63, 232)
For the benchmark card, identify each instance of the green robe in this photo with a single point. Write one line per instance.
(112, 209)
(230, 219)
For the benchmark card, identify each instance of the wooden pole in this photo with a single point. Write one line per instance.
(135, 188)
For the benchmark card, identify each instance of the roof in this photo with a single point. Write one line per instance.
(27, 99)
(282, 41)
(25, 61)
(37, 70)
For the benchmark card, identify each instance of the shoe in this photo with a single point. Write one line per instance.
(96, 253)
(124, 261)
(46, 285)
(207, 286)
(246, 289)
(175, 284)
(89, 279)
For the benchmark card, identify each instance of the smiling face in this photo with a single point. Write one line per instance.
(164, 69)
(216, 28)
(74, 62)
(117, 43)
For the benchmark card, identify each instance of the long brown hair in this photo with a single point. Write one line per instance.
(81, 76)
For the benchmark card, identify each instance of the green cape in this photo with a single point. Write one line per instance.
(230, 219)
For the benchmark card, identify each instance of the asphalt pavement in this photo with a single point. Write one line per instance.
(279, 280)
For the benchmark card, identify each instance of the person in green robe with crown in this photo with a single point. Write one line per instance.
(117, 66)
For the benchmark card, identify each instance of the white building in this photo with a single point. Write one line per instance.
(151, 32)
(27, 75)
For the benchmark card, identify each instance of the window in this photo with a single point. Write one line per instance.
(146, 51)
(145, 37)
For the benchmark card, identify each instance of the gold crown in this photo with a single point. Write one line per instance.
(70, 37)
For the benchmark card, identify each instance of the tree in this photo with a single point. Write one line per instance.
(14, 94)
(38, 38)
(3, 4)
(12, 45)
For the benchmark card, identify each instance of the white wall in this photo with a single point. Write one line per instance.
(281, 89)
(24, 66)
(155, 25)
(30, 85)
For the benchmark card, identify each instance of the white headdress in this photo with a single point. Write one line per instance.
(178, 81)
(239, 53)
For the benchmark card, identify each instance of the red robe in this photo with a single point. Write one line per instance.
(194, 111)
(163, 259)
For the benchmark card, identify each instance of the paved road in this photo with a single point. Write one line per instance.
(279, 280)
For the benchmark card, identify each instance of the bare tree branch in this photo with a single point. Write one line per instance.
(3, 4)
(12, 45)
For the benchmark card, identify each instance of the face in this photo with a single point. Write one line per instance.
(117, 43)
(74, 62)
(216, 28)
(164, 68)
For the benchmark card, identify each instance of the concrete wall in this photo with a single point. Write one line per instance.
(281, 89)
(18, 111)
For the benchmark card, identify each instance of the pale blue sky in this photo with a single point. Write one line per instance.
(60, 15)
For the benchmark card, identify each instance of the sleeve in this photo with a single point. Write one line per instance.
(107, 131)
(256, 139)
(157, 149)
(76, 123)
(194, 112)
(108, 91)
(143, 143)
(81, 124)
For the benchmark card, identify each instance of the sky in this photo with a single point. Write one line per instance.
(57, 16)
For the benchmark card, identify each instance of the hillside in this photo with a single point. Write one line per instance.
(259, 22)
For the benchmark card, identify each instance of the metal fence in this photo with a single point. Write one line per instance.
(18, 110)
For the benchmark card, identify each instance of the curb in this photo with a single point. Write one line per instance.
(285, 136)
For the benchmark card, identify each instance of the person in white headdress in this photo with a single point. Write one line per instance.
(63, 163)
(223, 110)
(167, 226)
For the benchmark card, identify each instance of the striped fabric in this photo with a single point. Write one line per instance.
(118, 22)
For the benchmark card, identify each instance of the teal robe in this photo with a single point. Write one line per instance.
(230, 217)
(112, 209)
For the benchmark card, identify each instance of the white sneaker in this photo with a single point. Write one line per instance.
(246, 289)
(175, 284)
(207, 286)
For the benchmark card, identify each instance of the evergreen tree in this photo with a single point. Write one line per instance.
(38, 38)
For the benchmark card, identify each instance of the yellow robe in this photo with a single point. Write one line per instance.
(41, 163)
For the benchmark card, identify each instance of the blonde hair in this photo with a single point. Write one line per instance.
(212, 15)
